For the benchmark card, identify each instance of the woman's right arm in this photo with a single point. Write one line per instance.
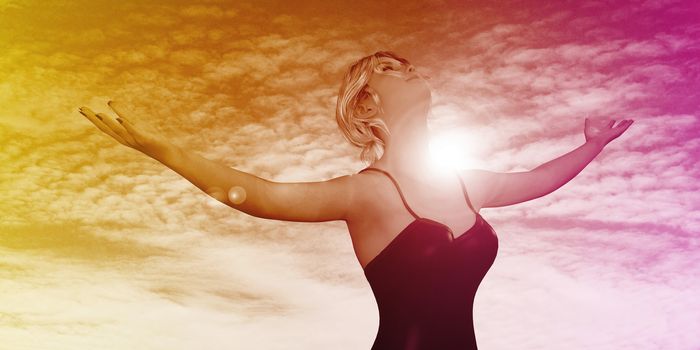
(303, 201)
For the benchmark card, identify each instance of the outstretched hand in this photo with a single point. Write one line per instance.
(139, 137)
(605, 134)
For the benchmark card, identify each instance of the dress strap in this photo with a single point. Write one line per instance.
(396, 184)
(464, 190)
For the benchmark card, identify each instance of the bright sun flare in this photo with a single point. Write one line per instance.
(453, 151)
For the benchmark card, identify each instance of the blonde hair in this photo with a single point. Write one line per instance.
(354, 89)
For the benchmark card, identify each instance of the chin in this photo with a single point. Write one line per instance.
(423, 94)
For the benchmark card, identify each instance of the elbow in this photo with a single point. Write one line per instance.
(217, 193)
(248, 199)
(262, 200)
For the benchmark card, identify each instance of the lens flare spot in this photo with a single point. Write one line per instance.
(237, 195)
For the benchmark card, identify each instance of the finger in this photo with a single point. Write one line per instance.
(99, 123)
(622, 123)
(622, 127)
(626, 124)
(118, 108)
(117, 128)
(131, 130)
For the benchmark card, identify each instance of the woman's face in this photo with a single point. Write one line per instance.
(399, 87)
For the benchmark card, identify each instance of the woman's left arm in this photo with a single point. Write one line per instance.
(502, 189)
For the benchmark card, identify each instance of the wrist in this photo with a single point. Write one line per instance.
(166, 153)
(596, 142)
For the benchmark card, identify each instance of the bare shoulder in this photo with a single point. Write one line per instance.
(364, 193)
(479, 183)
(478, 177)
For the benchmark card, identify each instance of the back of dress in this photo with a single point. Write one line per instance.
(425, 281)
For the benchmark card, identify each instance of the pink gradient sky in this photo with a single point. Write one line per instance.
(102, 248)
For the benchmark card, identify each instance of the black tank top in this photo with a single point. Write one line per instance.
(425, 280)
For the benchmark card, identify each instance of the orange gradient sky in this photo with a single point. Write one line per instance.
(104, 248)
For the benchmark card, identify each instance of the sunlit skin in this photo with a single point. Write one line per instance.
(433, 193)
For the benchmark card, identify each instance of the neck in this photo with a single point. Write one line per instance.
(407, 150)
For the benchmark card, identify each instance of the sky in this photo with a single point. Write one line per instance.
(104, 248)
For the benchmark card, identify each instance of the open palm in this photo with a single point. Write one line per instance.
(605, 133)
(139, 137)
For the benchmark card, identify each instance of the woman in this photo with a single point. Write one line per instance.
(416, 231)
